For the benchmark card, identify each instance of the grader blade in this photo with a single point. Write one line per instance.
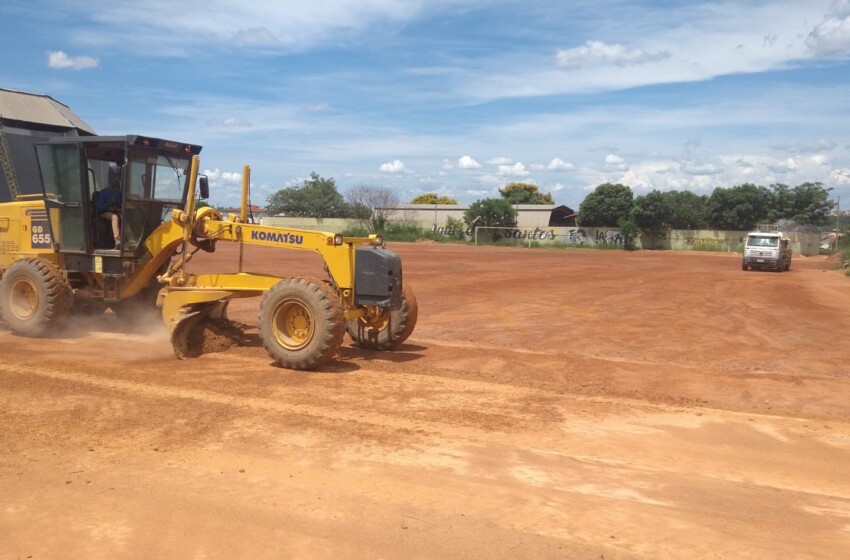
(202, 329)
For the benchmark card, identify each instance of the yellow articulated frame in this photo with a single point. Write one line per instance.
(208, 288)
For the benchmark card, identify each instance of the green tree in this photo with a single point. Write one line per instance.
(810, 204)
(432, 198)
(629, 230)
(652, 214)
(606, 205)
(687, 210)
(739, 208)
(525, 193)
(317, 197)
(493, 212)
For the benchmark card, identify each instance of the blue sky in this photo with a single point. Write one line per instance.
(457, 97)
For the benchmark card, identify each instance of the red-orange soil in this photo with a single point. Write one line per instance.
(550, 404)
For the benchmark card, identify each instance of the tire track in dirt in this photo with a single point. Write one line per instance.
(539, 439)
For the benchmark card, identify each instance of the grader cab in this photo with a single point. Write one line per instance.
(58, 252)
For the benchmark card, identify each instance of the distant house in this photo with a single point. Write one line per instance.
(562, 216)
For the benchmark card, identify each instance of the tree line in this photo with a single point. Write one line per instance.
(738, 208)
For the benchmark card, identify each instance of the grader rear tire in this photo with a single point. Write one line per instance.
(35, 297)
(389, 329)
(301, 323)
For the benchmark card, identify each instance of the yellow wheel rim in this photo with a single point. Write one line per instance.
(293, 325)
(23, 299)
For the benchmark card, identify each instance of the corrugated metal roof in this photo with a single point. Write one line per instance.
(39, 109)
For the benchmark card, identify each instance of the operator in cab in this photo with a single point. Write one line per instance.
(109, 206)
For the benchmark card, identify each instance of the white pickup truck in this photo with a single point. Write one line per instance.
(766, 249)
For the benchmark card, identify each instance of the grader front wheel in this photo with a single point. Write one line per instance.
(301, 323)
(34, 297)
(383, 329)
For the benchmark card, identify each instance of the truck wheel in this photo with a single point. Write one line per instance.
(301, 323)
(35, 297)
(744, 266)
(788, 265)
(386, 330)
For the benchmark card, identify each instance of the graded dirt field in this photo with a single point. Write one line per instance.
(550, 404)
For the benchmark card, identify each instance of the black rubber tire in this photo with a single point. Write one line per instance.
(399, 327)
(49, 290)
(788, 265)
(316, 307)
(743, 266)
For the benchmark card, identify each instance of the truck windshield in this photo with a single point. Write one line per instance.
(155, 176)
(762, 241)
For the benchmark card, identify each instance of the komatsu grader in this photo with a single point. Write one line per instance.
(57, 253)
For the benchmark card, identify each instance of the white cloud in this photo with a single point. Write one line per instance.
(395, 167)
(558, 164)
(255, 37)
(613, 161)
(500, 161)
(702, 169)
(217, 176)
(447, 165)
(278, 27)
(597, 53)
(840, 175)
(466, 162)
(787, 166)
(59, 60)
(231, 122)
(515, 170)
(832, 36)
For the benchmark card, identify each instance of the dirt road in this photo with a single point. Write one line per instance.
(550, 404)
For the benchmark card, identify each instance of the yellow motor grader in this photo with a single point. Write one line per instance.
(57, 252)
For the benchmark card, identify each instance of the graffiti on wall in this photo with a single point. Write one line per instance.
(609, 237)
(702, 243)
(523, 234)
(576, 236)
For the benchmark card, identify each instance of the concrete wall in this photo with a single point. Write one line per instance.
(330, 225)
(427, 215)
(707, 240)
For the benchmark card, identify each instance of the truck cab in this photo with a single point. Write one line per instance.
(766, 250)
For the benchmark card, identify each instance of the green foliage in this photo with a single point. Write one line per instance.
(525, 193)
(317, 197)
(606, 205)
(687, 210)
(455, 229)
(806, 204)
(493, 212)
(652, 213)
(629, 229)
(432, 198)
(742, 207)
(739, 208)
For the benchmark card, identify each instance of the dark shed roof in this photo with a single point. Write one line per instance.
(19, 109)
